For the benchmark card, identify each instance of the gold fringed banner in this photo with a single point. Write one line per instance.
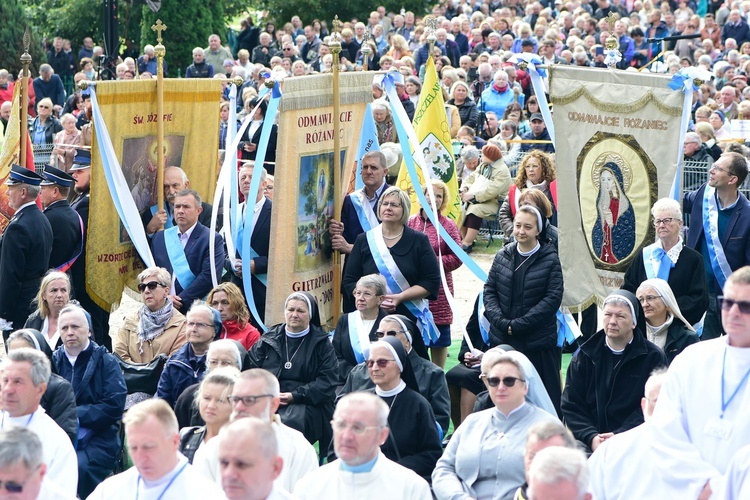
(616, 135)
(191, 141)
(300, 248)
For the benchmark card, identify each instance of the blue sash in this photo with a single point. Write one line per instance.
(653, 254)
(167, 224)
(177, 258)
(716, 255)
(354, 337)
(397, 283)
(484, 323)
(365, 213)
(566, 328)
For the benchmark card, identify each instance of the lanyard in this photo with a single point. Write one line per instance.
(2, 425)
(725, 404)
(138, 484)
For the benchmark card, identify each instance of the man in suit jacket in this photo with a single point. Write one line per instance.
(733, 223)
(183, 250)
(175, 181)
(260, 238)
(67, 226)
(25, 248)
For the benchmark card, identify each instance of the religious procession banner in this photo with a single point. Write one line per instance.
(434, 134)
(616, 137)
(300, 247)
(10, 153)
(191, 141)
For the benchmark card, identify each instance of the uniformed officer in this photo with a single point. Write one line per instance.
(25, 248)
(67, 225)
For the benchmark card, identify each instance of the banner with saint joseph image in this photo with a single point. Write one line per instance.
(301, 256)
(617, 136)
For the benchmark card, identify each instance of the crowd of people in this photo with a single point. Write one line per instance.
(220, 408)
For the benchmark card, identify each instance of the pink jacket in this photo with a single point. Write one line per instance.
(441, 311)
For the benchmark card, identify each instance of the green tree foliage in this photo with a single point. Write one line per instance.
(189, 24)
(12, 27)
(283, 10)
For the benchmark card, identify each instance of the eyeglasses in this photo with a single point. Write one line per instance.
(287, 48)
(720, 169)
(151, 285)
(666, 221)
(358, 429)
(691, 26)
(43, 107)
(391, 204)
(382, 363)
(367, 295)
(247, 400)
(648, 298)
(726, 304)
(507, 381)
(390, 333)
(197, 324)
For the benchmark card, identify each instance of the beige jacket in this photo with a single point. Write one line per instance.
(125, 343)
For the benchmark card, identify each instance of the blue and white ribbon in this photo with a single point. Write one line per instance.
(359, 339)
(684, 81)
(484, 323)
(532, 61)
(118, 186)
(368, 141)
(719, 264)
(567, 328)
(656, 262)
(246, 252)
(397, 283)
(365, 213)
(176, 253)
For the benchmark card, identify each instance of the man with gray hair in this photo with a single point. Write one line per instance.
(256, 394)
(559, 473)
(159, 469)
(23, 472)
(542, 435)
(250, 441)
(696, 154)
(48, 84)
(603, 387)
(200, 68)
(25, 249)
(360, 427)
(614, 475)
(216, 54)
(24, 380)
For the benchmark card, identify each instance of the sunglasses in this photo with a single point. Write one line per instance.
(507, 381)
(382, 363)
(726, 304)
(390, 333)
(151, 285)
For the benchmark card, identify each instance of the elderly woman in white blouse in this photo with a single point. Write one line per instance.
(484, 458)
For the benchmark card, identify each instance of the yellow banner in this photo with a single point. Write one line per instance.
(434, 135)
(10, 152)
(191, 141)
(301, 258)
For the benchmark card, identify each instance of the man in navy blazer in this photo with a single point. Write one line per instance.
(259, 240)
(725, 178)
(188, 241)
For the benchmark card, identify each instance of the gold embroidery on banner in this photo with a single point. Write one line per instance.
(617, 108)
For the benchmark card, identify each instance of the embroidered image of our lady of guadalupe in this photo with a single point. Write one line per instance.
(617, 186)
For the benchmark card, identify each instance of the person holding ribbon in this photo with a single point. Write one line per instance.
(404, 257)
(440, 308)
(54, 294)
(356, 330)
(522, 295)
(157, 327)
(665, 324)
(301, 357)
(670, 260)
(720, 229)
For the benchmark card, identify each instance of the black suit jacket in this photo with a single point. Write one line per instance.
(66, 232)
(260, 241)
(25, 247)
(270, 161)
(199, 259)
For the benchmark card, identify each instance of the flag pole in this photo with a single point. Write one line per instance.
(159, 51)
(335, 46)
(25, 61)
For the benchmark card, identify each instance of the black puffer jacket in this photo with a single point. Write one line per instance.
(536, 326)
(588, 408)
